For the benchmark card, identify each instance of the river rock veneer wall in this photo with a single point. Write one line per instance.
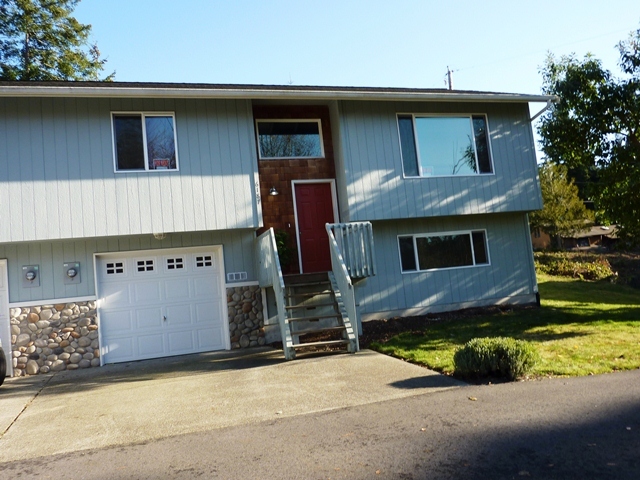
(246, 320)
(52, 338)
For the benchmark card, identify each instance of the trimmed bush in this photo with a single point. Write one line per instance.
(495, 356)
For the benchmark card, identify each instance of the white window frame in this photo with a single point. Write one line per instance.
(289, 120)
(414, 236)
(447, 115)
(143, 115)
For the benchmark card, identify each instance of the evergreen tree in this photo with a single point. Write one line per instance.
(563, 213)
(40, 40)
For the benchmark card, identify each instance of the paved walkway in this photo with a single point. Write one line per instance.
(142, 401)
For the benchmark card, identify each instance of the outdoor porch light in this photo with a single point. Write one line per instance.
(273, 192)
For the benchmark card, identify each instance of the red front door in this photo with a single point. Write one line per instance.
(314, 208)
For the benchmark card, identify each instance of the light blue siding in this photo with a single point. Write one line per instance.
(57, 176)
(509, 275)
(238, 248)
(374, 180)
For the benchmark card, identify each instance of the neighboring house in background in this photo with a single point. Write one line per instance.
(597, 236)
(133, 213)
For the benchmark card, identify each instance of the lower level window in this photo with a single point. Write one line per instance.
(450, 250)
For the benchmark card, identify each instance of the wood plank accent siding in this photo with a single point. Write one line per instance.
(238, 248)
(509, 274)
(57, 175)
(373, 165)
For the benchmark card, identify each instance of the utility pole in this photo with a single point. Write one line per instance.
(450, 78)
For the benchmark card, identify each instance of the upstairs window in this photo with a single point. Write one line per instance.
(449, 250)
(433, 146)
(278, 139)
(144, 142)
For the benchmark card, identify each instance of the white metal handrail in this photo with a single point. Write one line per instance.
(345, 289)
(355, 242)
(270, 275)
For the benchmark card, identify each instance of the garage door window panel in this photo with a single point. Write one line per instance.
(204, 261)
(115, 268)
(176, 263)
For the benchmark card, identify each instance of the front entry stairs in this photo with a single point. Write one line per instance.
(314, 315)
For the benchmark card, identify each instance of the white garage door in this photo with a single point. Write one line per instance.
(161, 303)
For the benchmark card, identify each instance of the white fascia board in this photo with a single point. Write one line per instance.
(265, 94)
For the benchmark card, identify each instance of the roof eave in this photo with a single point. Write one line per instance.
(263, 94)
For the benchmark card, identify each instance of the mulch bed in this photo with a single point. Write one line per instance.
(381, 331)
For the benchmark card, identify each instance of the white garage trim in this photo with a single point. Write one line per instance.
(161, 302)
(5, 324)
(53, 301)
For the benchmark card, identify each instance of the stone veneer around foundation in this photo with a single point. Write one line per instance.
(52, 338)
(246, 320)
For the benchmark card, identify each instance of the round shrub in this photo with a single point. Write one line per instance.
(495, 356)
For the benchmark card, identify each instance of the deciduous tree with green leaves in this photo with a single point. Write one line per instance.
(563, 213)
(40, 40)
(594, 129)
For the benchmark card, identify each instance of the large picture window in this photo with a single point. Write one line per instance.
(444, 250)
(444, 145)
(289, 139)
(144, 141)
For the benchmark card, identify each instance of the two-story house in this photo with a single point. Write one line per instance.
(139, 220)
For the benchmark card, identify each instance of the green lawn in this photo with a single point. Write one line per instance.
(581, 328)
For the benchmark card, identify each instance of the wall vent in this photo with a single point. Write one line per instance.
(236, 276)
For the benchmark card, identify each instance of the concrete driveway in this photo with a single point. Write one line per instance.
(143, 401)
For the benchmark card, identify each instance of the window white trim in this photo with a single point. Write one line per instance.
(143, 115)
(289, 120)
(414, 236)
(443, 115)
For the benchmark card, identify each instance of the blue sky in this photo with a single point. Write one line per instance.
(490, 45)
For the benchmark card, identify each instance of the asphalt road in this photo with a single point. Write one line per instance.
(579, 428)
